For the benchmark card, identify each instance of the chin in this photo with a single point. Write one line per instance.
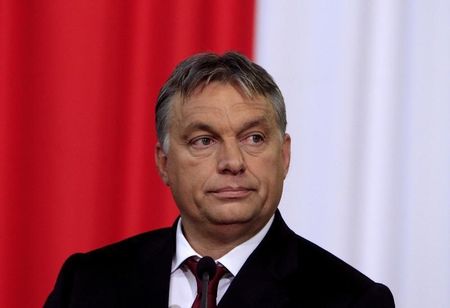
(232, 214)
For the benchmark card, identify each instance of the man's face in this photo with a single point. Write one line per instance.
(226, 161)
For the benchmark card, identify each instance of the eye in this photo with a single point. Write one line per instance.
(254, 139)
(202, 142)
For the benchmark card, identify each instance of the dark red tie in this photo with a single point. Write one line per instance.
(212, 285)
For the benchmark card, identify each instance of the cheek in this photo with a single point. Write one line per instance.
(269, 164)
(269, 171)
(187, 174)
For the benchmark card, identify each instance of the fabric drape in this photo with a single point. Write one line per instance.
(79, 80)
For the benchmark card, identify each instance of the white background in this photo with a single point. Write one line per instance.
(367, 88)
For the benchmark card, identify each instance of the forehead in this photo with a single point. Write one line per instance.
(218, 99)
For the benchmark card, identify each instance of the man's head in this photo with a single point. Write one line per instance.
(222, 145)
(202, 69)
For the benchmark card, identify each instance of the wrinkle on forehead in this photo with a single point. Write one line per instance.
(218, 107)
(244, 92)
(235, 116)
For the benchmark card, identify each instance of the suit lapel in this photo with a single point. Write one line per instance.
(264, 277)
(149, 284)
(261, 282)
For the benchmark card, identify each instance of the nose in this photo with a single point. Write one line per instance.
(230, 158)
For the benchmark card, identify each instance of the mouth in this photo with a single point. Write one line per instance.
(231, 192)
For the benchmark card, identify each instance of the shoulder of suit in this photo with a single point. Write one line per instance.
(322, 268)
(312, 261)
(132, 248)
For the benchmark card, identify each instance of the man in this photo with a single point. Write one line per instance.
(223, 151)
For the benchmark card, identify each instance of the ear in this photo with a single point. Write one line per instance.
(161, 163)
(286, 153)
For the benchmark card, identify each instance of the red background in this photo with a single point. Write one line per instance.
(78, 84)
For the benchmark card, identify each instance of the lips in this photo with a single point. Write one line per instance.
(231, 192)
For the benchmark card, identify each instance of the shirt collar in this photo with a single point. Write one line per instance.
(233, 260)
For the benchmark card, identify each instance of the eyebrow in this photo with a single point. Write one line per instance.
(260, 121)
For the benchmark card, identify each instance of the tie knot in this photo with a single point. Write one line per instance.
(192, 264)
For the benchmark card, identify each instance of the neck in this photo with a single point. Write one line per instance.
(219, 240)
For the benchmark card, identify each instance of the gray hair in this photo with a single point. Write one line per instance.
(202, 69)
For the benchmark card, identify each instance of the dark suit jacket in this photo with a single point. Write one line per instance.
(285, 270)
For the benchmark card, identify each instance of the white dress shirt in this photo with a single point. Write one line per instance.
(183, 285)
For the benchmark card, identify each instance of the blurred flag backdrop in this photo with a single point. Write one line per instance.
(366, 88)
